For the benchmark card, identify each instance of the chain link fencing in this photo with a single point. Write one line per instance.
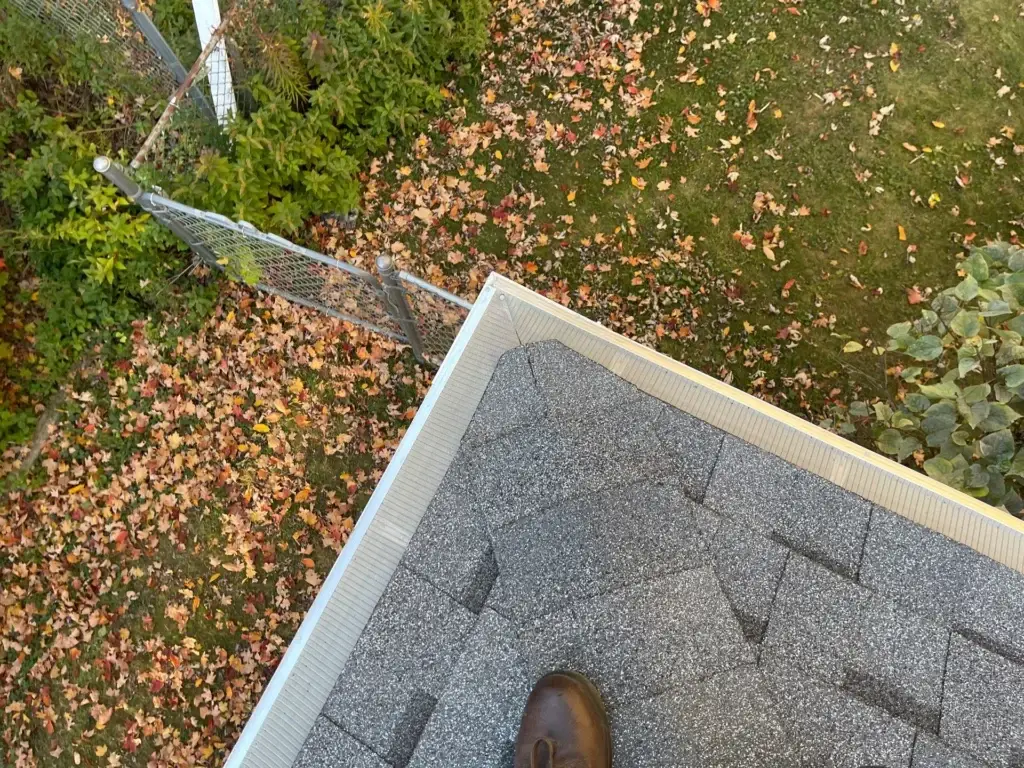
(139, 49)
(392, 303)
(110, 23)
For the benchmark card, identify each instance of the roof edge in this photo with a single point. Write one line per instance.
(902, 490)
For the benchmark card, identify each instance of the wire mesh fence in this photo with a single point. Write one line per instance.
(138, 50)
(108, 22)
(438, 314)
(395, 304)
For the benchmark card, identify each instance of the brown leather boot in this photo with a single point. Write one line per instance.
(564, 725)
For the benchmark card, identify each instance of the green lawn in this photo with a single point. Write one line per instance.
(744, 187)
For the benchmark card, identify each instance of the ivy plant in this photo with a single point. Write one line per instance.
(965, 385)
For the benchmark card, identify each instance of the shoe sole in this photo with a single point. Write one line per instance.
(595, 695)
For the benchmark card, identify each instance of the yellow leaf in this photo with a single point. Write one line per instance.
(302, 495)
(76, 489)
(490, 96)
(748, 327)
(893, 64)
(296, 386)
(894, 48)
(902, 232)
(772, 35)
(852, 346)
(571, 196)
(938, 124)
(497, 154)
(934, 199)
(261, 428)
(638, 183)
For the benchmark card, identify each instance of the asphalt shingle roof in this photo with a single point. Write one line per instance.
(735, 610)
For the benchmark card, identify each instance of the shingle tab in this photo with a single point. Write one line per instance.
(327, 746)
(451, 548)
(692, 447)
(510, 401)
(749, 567)
(841, 633)
(643, 639)
(399, 666)
(831, 728)
(521, 473)
(801, 510)
(727, 721)
(594, 545)
(927, 573)
(983, 708)
(929, 752)
(570, 382)
(617, 445)
(476, 719)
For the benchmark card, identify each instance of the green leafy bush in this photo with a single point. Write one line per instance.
(326, 89)
(966, 381)
(97, 261)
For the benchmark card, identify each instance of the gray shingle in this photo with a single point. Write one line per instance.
(399, 666)
(521, 473)
(829, 727)
(843, 634)
(570, 382)
(727, 721)
(692, 447)
(749, 567)
(748, 484)
(983, 708)
(617, 445)
(643, 639)
(510, 401)
(451, 548)
(476, 719)
(808, 514)
(927, 573)
(594, 545)
(824, 522)
(929, 752)
(327, 746)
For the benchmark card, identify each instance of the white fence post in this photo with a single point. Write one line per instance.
(218, 72)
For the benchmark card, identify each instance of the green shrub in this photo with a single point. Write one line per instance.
(326, 89)
(966, 382)
(98, 261)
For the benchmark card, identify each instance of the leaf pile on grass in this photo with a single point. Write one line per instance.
(178, 527)
(730, 183)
